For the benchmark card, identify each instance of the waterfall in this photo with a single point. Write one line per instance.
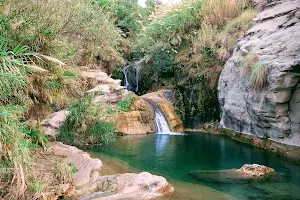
(132, 77)
(161, 122)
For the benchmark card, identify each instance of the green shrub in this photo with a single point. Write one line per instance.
(86, 124)
(101, 133)
(126, 103)
(163, 62)
(129, 16)
(37, 138)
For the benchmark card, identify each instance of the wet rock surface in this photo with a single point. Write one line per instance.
(272, 111)
(175, 123)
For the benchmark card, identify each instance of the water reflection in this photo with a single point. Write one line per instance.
(161, 142)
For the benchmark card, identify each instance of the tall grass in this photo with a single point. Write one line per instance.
(78, 32)
(255, 71)
(14, 152)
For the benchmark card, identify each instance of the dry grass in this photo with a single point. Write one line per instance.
(216, 38)
(218, 13)
(63, 171)
(255, 71)
(77, 32)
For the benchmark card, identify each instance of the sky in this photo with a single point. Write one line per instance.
(142, 2)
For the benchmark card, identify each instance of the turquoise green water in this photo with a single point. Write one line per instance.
(174, 157)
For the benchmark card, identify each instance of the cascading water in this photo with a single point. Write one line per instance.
(132, 76)
(161, 122)
(162, 125)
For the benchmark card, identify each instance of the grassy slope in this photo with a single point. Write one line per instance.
(42, 46)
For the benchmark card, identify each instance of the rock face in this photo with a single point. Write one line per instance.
(272, 111)
(140, 119)
(107, 90)
(159, 97)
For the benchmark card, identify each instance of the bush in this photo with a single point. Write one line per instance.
(85, 126)
(126, 103)
(128, 15)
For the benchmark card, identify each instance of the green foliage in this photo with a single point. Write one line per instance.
(126, 103)
(163, 62)
(76, 32)
(37, 138)
(102, 133)
(86, 126)
(129, 16)
(14, 149)
(37, 187)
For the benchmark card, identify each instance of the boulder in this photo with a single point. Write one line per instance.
(88, 169)
(255, 171)
(130, 186)
(272, 111)
(246, 174)
(105, 88)
(51, 124)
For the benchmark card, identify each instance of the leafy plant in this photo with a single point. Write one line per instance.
(126, 103)
(37, 138)
(37, 187)
(86, 124)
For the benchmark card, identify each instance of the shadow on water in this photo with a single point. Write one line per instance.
(176, 157)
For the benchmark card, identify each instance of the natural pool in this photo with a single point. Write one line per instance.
(174, 157)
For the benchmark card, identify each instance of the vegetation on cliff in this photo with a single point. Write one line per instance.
(185, 47)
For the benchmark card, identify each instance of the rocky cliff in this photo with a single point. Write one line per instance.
(259, 87)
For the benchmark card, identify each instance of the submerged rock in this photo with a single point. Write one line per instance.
(247, 173)
(255, 171)
(259, 86)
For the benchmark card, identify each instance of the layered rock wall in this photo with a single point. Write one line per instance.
(272, 111)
